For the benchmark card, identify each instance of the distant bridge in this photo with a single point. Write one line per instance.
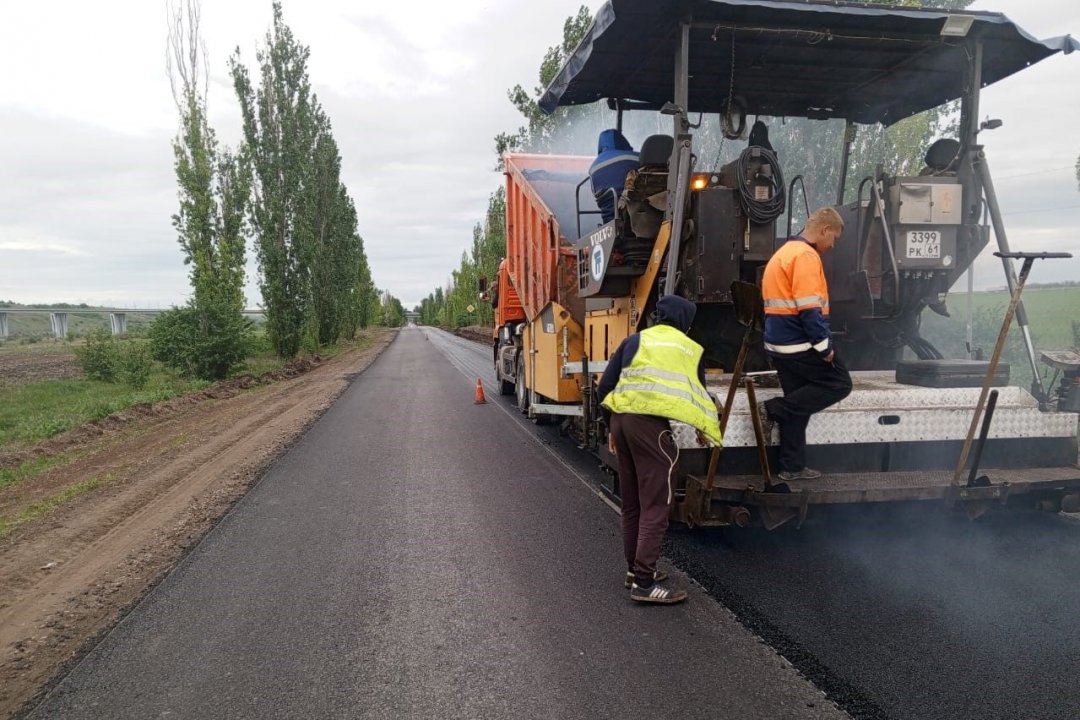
(58, 317)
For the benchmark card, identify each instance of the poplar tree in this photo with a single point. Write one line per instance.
(314, 274)
(278, 120)
(208, 337)
(542, 132)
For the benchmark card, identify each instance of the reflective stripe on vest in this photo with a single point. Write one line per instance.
(662, 381)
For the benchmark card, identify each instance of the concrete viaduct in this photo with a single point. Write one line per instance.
(58, 317)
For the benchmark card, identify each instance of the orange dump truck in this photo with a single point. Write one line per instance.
(539, 316)
(550, 339)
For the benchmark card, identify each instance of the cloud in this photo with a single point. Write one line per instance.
(36, 245)
(416, 98)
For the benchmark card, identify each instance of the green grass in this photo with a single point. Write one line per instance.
(10, 476)
(262, 363)
(43, 507)
(33, 412)
(264, 360)
(1051, 313)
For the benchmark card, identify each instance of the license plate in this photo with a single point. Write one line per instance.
(923, 245)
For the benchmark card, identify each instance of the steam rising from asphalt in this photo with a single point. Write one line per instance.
(910, 612)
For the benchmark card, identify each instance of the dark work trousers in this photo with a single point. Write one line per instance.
(645, 477)
(810, 385)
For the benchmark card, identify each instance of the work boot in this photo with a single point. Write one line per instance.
(804, 474)
(656, 594)
(658, 576)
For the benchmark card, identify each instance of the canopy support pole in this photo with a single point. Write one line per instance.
(679, 164)
(845, 160)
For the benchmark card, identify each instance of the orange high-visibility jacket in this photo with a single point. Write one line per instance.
(796, 300)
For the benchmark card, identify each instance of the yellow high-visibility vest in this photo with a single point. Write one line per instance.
(662, 380)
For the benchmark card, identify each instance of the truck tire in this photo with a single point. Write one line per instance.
(506, 387)
(520, 389)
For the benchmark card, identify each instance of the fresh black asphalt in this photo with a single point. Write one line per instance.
(900, 613)
(911, 613)
(419, 556)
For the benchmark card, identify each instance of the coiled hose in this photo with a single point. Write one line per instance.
(761, 211)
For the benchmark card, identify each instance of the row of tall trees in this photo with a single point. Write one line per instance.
(313, 271)
(281, 187)
(450, 305)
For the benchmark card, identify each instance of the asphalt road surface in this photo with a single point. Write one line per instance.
(904, 613)
(419, 556)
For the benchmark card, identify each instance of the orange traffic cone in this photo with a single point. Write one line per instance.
(480, 392)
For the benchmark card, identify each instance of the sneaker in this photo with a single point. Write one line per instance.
(656, 595)
(804, 474)
(658, 576)
(767, 423)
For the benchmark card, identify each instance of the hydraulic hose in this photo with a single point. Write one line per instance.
(761, 211)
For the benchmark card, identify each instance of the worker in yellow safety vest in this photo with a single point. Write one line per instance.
(798, 339)
(654, 376)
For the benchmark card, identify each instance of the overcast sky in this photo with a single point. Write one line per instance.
(415, 90)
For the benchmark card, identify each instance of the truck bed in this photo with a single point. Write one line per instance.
(541, 227)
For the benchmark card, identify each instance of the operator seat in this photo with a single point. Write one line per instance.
(644, 197)
(942, 157)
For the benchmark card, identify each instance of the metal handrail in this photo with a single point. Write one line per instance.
(577, 204)
(886, 238)
(791, 201)
(859, 234)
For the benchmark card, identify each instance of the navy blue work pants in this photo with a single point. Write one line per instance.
(810, 385)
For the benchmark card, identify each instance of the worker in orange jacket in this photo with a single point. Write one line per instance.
(798, 339)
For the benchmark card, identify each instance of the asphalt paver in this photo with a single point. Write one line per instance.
(419, 555)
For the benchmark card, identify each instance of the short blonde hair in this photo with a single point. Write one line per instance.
(826, 218)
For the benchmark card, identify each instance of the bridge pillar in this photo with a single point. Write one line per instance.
(3, 325)
(59, 322)
(118, 322)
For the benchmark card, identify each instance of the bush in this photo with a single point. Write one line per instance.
(98, 356)
(171, 337)
(205, 342)
(259, 344)
(309, 342)
(134, 364)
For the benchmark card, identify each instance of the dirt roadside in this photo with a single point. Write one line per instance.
(158, 479)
